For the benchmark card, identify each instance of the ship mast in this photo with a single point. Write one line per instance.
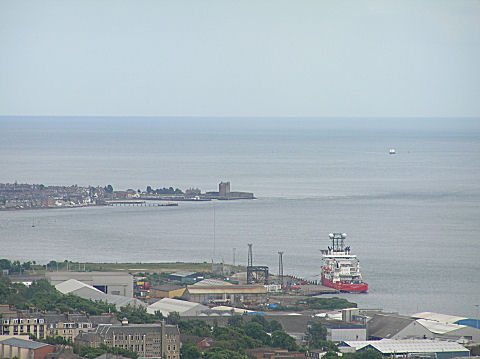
(338, 242)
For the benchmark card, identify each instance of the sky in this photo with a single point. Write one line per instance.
(240, 58)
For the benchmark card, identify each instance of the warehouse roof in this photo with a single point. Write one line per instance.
(208, 282)
(439, 328)
(23, 343)
(75, 287)
(387, 325)
(72, 285)
(442, 318)
(225, 289)
(168, 305)
(390, 346)
(168, 287)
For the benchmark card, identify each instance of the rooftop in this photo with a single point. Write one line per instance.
(23, 343)
(389, 346)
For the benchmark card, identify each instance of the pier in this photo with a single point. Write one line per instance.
(139, 203)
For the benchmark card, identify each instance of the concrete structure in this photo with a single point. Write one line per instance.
(24, 349)
(226, 294)
(83, 290)
(148, 340)
(224, 189)
(402, 348)
(339, 332)
(182, 307)
(167, 291)
(108, 282)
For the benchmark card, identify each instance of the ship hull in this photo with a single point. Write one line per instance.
(345, 287)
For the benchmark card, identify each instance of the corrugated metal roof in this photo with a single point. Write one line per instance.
(71, 285)
(23, 343)
(389, 346)
(209, 282)
(442, 318)
(226, 289)
(75, 287)
(439, 328)
(168, 305)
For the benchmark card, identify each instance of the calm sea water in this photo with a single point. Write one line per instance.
(412, 218)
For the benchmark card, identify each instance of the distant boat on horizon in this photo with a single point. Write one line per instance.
(392, 151)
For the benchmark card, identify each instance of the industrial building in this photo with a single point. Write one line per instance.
(83, 290)
(226, 293)
(403, 348)
(108, 282)
(422, 326)
(148, 340)
(24, 349)
(167, 291)
(182, 307)
(339, 332)
(185, 277)
(394, 326)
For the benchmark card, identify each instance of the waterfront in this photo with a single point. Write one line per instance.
(412, 218)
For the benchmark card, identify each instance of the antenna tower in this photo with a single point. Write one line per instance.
(250, 255)
(280, 267)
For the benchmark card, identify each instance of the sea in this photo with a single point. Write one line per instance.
(412, 218)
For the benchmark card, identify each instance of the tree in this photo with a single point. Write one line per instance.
(235, 321)
(108, 188)
(255, 330)
(283, 340)
(173, 318)
(189, 351)
(149, 189)
(316, 334)
(274, 325)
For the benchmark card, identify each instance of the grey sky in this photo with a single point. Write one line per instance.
(240, 58)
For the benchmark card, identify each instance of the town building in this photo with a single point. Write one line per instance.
(24, 349)
(67, 326)
(148, 340)
(16, 323)
(108, 282)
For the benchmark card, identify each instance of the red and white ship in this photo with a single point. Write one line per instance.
(340, 269)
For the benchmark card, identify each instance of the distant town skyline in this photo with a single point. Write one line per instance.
(240, 59)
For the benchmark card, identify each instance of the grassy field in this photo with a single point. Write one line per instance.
(154, 267)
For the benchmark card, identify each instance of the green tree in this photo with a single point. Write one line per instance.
(173, 318)
(235, 321)
(316, 334)
(256, 331)
(189, 351)
(283, 340)
(108, 188)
